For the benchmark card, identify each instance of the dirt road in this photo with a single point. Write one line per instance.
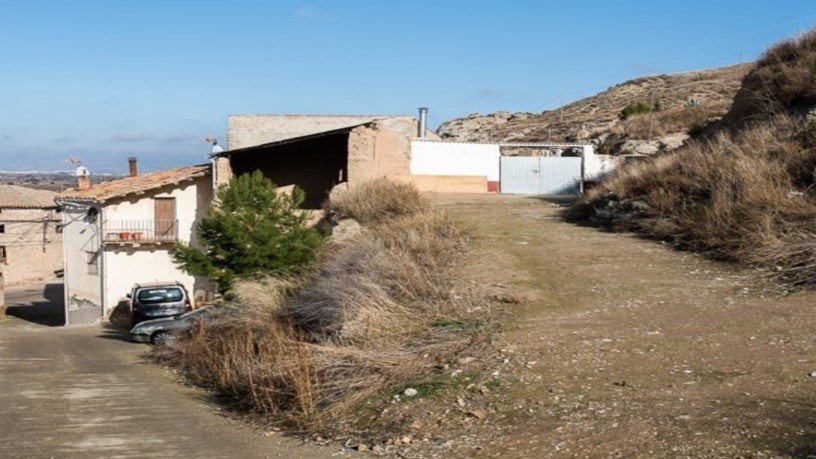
(85, 392)
(627, 348)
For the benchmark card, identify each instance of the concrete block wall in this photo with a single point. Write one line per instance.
(253, 130)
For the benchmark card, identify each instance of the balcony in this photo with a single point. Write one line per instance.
(136, 232)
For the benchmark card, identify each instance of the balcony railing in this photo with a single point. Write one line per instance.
(140, 231)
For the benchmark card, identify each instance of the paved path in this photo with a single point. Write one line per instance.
(86, 392)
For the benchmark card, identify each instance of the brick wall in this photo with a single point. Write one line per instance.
(380, 150)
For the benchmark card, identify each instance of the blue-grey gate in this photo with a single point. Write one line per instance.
(540, 175)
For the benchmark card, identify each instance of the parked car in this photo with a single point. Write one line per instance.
(158, 299)
(157, 331)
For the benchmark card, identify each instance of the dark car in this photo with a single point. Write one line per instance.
(157, 300)
(157, 331)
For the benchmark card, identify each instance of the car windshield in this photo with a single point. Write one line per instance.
(160, 295)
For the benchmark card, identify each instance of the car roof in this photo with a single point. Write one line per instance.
(158, 284)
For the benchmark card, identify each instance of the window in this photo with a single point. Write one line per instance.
(2, 229)
(93, 262)
(3, 259)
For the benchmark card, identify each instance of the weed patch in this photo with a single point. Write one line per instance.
(375, 312)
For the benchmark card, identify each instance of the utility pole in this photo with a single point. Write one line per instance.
(651, 110)
(561, 109)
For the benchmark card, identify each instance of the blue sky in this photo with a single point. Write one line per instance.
(107, 79)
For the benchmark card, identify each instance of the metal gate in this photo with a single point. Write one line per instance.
(540, 175)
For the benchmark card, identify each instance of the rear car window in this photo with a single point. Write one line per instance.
(160, 295)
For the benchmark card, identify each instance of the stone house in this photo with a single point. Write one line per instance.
(317, 152)
(120, 232)
(30, 243)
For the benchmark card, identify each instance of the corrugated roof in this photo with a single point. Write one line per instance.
(20, 197)
(136, 185)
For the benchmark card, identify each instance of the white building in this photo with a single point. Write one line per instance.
(120, 232)
(515, 168)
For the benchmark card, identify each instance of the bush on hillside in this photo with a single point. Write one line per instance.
(784, 74)
(358, 323)
(377, 201)
(250, 229)
(635, 108)
(679, 119)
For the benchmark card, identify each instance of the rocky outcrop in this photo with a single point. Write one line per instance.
(595, 118)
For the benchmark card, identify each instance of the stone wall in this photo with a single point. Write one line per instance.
(32, 245)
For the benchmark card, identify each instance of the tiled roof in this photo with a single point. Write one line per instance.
(20, 197)
(135, 185)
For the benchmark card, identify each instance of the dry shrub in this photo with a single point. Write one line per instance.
(785, 72)
(377, 201)
(310, 349)
(650, 126)
(733, 197)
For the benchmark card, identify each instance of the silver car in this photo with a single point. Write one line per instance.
(158, 299)
(157, 331)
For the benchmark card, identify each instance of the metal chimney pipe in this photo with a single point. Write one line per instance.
(423, 122)
(132, 166)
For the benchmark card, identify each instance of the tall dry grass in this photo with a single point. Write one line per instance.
(743, 197)
(784, 74)
(650, 126)
(377, 200)
(309, 350)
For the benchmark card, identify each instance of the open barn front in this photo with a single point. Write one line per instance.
(314, 164)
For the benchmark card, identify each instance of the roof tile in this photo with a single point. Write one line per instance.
(20, 197)
(140, 183)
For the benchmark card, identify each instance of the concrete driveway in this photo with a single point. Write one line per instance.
(87, 392)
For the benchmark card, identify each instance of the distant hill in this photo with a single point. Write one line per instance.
(709, 91)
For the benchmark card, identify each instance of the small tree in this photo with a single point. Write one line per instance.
(250, 229)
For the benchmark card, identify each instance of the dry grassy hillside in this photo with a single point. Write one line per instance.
(592, 117)
(746, 192)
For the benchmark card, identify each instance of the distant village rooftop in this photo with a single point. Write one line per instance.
(20, 197)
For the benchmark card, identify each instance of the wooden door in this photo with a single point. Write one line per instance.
(165, 219)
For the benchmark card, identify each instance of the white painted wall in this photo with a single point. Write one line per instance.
(121, 266)
(596, 166)
(126, 265)
(80, 236)
(454, 158)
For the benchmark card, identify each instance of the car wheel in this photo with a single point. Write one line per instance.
(160, 337)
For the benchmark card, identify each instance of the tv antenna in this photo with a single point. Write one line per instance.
(75, 161)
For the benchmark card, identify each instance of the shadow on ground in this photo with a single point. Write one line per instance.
(47, 310)
(119, 323)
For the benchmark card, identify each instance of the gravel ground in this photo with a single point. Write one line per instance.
(622, 347)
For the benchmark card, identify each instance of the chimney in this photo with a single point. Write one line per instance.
(423, 122)
(132, 165)
(83, 178)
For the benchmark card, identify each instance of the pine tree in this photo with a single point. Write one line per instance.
(250, 229)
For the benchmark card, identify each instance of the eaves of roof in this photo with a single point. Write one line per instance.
(135, 185)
